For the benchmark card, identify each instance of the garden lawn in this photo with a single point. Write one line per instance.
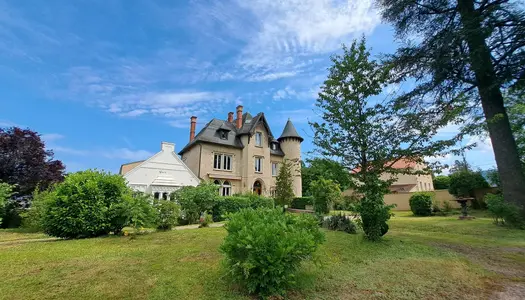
(420, 258)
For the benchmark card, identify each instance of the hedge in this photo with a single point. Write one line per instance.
(231, 204)
(302, 202)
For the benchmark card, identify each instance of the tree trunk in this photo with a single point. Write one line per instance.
(503, 142)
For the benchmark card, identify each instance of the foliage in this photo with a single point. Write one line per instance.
(324, 168)
(493, 177)
(25, 162)
(265, 247)
(284, 184)
(87, 204)
(369, 135)
(503, 212)
(196, 200)
(32, 218)
(168, 213)
(302, 202)
(339, 222)
(462, 54)
(232, 204)
(6, 190)
(347, 202)
(205, 220)
(374, 215)
(441, 182)
(142, 212)
(325, 193)
(516, 111)
(463, 183)
(421, 203)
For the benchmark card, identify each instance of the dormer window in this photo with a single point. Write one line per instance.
(223, 134)
(273, 146)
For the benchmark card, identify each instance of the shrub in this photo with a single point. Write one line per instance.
(6, 190)
(168, 213)
(265, 247)
(196, 200)
(33, 216)
(87, 204)
(325, 193)
(503, 213)
(142, 212)
(232, 204)
(374, 215)
(302, 202)
(205, 220)
(346, 202)
(421, 204)
(339, 222)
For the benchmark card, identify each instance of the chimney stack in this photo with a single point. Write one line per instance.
(192, 127)
(239, 116)
(230, 117)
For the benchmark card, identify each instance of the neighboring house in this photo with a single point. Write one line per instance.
(242, 155)
(160, 174)
(407, 183)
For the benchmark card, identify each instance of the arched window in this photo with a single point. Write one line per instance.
(226, 188)
(156, 195)
(257, 187)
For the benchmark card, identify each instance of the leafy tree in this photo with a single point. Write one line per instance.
(324, 168)
(515, 103)
(196, 200)
(441, 182)
(463, 183)
(25, 162)
(284, 185)
(325, 193)
(369, 135)
(462, 53)
(6, 190)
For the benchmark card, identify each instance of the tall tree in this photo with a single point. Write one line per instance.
(369, 135)
(463, 53)
(25, 163)
(318, 168)
(283, 184)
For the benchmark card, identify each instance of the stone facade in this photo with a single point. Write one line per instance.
(254, 144)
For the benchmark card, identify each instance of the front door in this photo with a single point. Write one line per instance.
(257, 188)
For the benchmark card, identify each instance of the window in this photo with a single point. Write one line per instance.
(272, 191)
(274, 146)
(258, 139)
(258, 164)
(420, 186)
(164, 196)
(156, 195)
(226, 188)
(274, 169)
(223, 134)
(222, 162)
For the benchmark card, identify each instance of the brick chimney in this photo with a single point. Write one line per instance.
(230, 116)
(192, 127)
(239, 116)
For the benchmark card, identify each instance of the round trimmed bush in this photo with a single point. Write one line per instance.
(87, 204)
(421, 204)
(265, 247)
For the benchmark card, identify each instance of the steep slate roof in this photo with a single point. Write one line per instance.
(210, 132)
(290, 131)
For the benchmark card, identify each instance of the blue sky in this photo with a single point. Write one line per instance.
(105, 82)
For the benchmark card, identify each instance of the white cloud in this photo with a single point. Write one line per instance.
(50, 137)
(271, 76)
(133, 113)
(7, 123)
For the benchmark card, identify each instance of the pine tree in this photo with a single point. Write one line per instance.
(284, 185)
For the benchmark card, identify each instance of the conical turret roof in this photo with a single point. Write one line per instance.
(290, 132)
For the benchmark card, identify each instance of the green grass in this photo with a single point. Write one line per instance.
(420, 258)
